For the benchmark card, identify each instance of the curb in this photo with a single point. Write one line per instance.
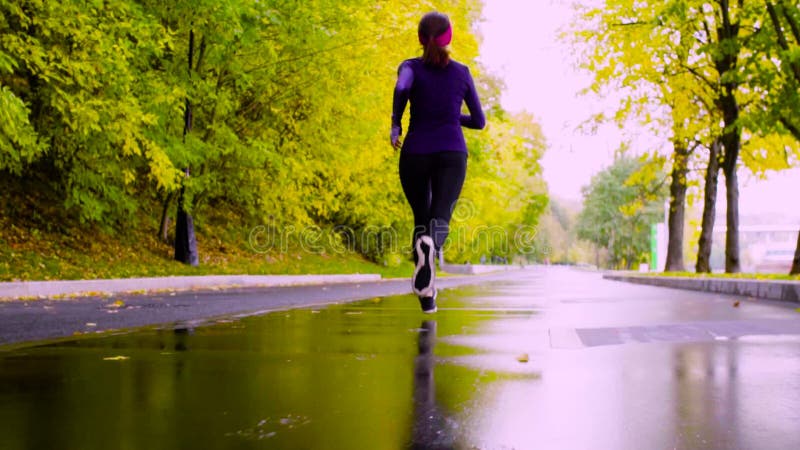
(36, 289)
(780, 290)
(477, 269)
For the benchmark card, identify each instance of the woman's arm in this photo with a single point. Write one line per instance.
(475, 119)
(402, 90)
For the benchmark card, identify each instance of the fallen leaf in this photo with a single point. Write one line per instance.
(116, 304)
(736, 304)
(116, 358)
(523, 358)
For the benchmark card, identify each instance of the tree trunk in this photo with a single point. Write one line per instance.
(709, 210)
(163, 227)
(796, 262)
(794, 27)
(677, 209)
(597, 256)
(732, 262)
(725, 62)
(185, 239)
(731, 140)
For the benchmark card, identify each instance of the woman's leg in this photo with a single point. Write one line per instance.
(415, 177)
(447, 178)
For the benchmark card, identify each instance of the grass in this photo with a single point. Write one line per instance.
(749, 276)
(82, 252)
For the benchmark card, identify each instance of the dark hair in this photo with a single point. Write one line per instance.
(432, 25)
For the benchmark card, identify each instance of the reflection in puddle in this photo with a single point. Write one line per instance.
(371, 375)
(432, 429)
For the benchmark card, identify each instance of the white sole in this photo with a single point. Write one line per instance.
(421, 258)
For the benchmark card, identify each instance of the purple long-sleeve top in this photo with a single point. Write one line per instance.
(436, 95)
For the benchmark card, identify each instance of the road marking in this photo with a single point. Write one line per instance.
(565, 338)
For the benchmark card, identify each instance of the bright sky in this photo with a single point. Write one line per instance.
(520, 44)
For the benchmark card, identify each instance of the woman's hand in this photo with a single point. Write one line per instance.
(394, 136)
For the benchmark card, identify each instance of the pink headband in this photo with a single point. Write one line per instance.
(443, 40)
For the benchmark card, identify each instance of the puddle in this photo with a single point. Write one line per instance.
(499, 367)
(350, 376)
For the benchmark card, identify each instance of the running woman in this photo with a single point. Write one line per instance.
(433, 158)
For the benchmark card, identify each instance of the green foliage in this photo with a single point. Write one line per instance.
(556, 238)
(620, 204)
(73, 65)
(289, 102)
(504, 194)
(694, 71)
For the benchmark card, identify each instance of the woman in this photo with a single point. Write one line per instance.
(433, 158)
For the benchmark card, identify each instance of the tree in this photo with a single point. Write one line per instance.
(279, 109)
(619, 205)
(640, 51)
(67, 71)
(705, 52)
(784, 103)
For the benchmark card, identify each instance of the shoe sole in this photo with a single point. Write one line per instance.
(435, 308)
(424, 262)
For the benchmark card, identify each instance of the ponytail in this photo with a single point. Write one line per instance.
(435, 33)
(433, 55)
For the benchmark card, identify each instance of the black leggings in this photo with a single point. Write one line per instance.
(432, 184)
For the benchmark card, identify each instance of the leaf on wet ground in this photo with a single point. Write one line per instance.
(116, 358)
(269, 427)
(736, 304)
(116, 305)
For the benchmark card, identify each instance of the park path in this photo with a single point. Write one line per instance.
(543, 358)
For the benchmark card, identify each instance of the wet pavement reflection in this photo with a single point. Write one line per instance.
(555, 359)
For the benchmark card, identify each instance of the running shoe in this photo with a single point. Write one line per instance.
(428, 304)
(424, 272)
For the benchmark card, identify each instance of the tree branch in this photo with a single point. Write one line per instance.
(701, 77)
(306, 55)
(726, 18)
(782, 41)
(793, 24)
(707, 29)
(773, 16)
(795, 131)
(630, 24)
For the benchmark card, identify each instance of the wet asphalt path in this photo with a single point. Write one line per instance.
(541, 359)
(31, 321)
